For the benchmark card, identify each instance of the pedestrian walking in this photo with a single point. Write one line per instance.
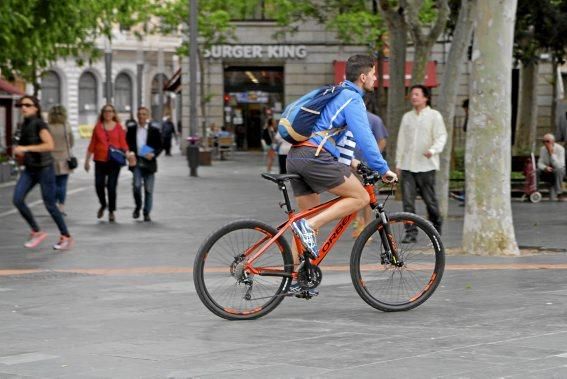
(63, 143)
(421, 139)
(380, 135)
(168, 132)
(281, 147)
(268, 134)
(144, 141)
(35, 146)
(108, 148)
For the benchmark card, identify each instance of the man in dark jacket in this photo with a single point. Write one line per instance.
(144, 141)
(168, 132)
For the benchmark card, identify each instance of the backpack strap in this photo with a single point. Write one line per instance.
(332, 131)
(327, 134)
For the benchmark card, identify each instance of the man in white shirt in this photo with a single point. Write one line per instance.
(551, 165)
(421, 139)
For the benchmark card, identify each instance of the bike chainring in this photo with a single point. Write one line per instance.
(314, 279)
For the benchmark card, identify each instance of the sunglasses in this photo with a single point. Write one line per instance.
(547, 141)
(25, 105)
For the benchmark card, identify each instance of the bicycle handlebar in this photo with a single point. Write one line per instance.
(368, 175)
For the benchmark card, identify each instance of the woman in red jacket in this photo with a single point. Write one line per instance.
(107, 132)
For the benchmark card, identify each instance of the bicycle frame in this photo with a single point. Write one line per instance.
(325, 248)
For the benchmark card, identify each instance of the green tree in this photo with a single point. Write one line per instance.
(488, 227)
(35, 33)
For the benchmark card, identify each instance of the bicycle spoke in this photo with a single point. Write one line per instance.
(395, 287)
(226, 286)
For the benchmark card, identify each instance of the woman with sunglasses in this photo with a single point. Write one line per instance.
(107, 132)
(35, 146)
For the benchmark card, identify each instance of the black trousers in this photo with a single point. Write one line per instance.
(106, 180)
(424, 182)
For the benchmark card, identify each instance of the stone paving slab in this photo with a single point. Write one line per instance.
(122, 304)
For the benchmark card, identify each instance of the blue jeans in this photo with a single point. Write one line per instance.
(61, 188)
(148, 180)
(46, 178)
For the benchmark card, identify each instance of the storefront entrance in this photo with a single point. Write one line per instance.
(252, 95)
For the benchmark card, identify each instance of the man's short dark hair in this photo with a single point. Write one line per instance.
(425, 90)
(358, 64)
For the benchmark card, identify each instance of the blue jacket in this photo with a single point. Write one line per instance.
(347, 108)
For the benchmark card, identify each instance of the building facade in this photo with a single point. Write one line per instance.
(135, 73)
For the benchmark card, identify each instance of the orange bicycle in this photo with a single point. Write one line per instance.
(244, 270)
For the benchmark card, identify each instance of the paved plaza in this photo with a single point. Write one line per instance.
(122, 304)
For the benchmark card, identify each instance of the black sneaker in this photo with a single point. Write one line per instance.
(147, 218)
(136, 214)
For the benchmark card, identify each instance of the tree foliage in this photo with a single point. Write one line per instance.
(35, 33)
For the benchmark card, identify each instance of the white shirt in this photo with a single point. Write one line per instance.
(141, 136)
(419, 133)
(557, 160)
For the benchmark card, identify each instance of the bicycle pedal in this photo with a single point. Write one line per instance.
(307, 294)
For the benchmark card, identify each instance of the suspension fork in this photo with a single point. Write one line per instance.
(387, 237)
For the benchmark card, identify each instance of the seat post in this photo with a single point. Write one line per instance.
(283, 188)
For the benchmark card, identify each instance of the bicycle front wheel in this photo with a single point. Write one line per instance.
(390, 287)
(222, 281)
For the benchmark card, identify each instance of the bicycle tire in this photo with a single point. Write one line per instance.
(390, 288)
(215, 272)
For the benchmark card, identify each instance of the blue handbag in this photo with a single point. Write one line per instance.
(116, 156)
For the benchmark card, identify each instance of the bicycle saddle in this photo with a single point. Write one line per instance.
(280, 178)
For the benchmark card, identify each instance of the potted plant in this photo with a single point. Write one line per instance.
(5, 169)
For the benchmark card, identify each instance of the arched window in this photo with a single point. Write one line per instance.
(123, 94)
(88, 98)
(50, 90)
(155, 94)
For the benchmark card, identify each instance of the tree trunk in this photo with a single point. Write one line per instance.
(488, 226)
(423, 41)
(420, 59)
(448, 94)
(527, 120)
(397, 28)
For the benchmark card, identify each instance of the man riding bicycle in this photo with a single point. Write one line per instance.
(328, 168)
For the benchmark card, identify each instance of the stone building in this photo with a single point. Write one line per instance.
(135, 77)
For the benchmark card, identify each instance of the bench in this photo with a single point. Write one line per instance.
(225, 147)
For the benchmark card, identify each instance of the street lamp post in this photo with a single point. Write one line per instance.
(160, 84)
(108, 69)
(193, 148)
(139, 74)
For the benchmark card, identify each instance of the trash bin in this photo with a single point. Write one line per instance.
(193, 154)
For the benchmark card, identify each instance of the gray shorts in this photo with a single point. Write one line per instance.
(318, 174)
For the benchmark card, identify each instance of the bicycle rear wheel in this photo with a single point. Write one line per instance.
(386, 286)
(222, 283)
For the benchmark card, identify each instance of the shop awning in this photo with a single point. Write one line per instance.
(430, 73)
(174, 84)
(10, 89)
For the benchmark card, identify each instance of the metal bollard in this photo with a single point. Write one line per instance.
(193, 155)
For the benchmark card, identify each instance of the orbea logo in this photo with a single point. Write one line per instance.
(335, 236)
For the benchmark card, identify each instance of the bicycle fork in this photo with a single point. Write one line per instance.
(390, 254)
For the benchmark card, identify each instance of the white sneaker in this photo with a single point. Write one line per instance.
(35, 239)
(64, 243)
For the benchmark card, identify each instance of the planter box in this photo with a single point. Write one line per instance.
(5, 172)
(205, 158)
